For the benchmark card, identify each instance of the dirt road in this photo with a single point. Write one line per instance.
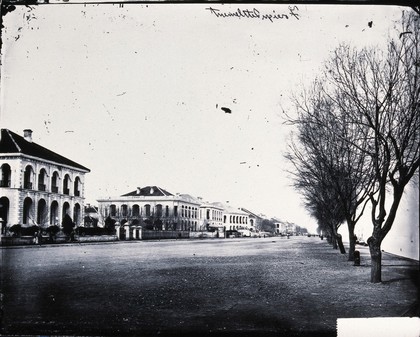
(248, 287)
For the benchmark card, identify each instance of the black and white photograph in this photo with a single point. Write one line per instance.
(209, 169)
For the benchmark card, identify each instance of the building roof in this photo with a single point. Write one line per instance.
(11, 142)
(190, 199)
(211, 205)
(250, 213)
(91, 209)
(230, 209)
(148, 191)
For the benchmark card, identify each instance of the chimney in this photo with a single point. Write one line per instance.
(27, 134)
(152, 190)
(138, 190)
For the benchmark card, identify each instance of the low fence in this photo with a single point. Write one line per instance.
(204, 235)
(96, 238)
(158, 235)
(17, 241)
(31, 240)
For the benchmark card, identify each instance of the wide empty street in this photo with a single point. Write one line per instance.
(259, 286)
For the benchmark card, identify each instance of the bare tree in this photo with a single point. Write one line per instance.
(316, 186)
(376, 95)
(323, 158)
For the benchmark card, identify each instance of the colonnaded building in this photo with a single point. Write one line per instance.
(156, 208)
(38, 186)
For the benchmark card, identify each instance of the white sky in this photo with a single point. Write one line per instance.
(134, 92)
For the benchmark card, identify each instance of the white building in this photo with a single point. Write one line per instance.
(211, 217)
(233, 218)
(153, 208)
(255, 220)
(38, 186)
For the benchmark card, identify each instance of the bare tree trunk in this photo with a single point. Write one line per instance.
(336, 237)
(376, 260)
(329, 239)
(352, 240)
(334, 241)
(340, 244)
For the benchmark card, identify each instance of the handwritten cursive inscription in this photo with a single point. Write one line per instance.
(256, 14)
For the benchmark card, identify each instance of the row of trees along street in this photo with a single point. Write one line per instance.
(357, 136)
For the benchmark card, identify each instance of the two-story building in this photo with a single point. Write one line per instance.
(233, 218)
(38, 186)
(255, 220)
(154, 208)
(211, 216)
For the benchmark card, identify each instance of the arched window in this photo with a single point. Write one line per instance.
(147, 210)
(112, 210)
(124, 210)
(136, 210)
(159, 210)
(166, 211)
(27, 211)
(4, 212)
(54, 213)
(42, 213)
(77, 186)
(77, 214)
(66, 209)
(54, 182)
(66, 184)
(5, 175)
(42, 180)
(28, 177)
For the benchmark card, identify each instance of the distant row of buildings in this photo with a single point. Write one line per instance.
(157, 208)
(39, 187)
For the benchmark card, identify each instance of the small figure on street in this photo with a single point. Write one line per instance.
(39, 237)
(51, 234)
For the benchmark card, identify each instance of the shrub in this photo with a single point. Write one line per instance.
(92, 231)
(109, 226)
(68, 225)
(30, 231)
(53, 230)
(16, 230)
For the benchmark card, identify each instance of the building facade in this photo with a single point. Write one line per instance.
(255, 220)
(153, 208)
(234, 218)
(211, 217)
(38, 186)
